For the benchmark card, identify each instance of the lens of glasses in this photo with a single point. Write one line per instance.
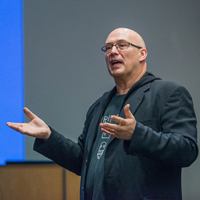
(122, 45)
(119, 46)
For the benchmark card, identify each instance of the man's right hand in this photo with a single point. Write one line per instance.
(36, 127)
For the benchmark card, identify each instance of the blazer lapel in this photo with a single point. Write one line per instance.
(92, 130)
(94, 123)
(134, 99)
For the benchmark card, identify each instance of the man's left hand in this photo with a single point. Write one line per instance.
(125, 127)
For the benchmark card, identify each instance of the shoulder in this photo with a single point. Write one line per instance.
(165, 86)
(162, 89)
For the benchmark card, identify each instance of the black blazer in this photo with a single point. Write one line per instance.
(148, 166)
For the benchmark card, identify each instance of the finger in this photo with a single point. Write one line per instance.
(19, 127)
(15, 126)
(108, 126)
(127, 112)
(117, 119)
(11, 124)
(108, 131)
(105, 127)
(29, 114)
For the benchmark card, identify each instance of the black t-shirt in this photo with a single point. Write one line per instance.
(95, 175)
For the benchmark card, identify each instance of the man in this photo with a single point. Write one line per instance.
(136, 137)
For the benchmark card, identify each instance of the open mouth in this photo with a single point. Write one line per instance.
(115, 62)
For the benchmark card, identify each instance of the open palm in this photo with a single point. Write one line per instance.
(36, 127)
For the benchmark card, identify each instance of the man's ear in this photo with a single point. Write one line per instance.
(143, 54)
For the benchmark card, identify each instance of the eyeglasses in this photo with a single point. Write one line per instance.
(120, 47)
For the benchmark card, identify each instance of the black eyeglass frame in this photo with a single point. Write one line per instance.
(103, 48)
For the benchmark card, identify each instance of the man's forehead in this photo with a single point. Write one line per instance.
(119, 34)
(127, 35)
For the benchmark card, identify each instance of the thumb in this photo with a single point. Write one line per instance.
(127, 112)
(29, 114)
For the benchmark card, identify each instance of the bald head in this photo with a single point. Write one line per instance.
(126, 34)
(127, 65)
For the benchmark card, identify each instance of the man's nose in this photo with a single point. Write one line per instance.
(114, 49)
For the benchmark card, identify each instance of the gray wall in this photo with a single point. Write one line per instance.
(65, 70)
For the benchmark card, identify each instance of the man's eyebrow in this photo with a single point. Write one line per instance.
(122, 40)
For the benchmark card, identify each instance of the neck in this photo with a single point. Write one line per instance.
(124, 84)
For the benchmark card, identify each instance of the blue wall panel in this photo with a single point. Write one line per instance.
(11, 79)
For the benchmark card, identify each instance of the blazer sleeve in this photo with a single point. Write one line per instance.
(62, 151)
(175, 144)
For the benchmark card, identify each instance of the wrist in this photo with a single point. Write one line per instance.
(47, 134)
